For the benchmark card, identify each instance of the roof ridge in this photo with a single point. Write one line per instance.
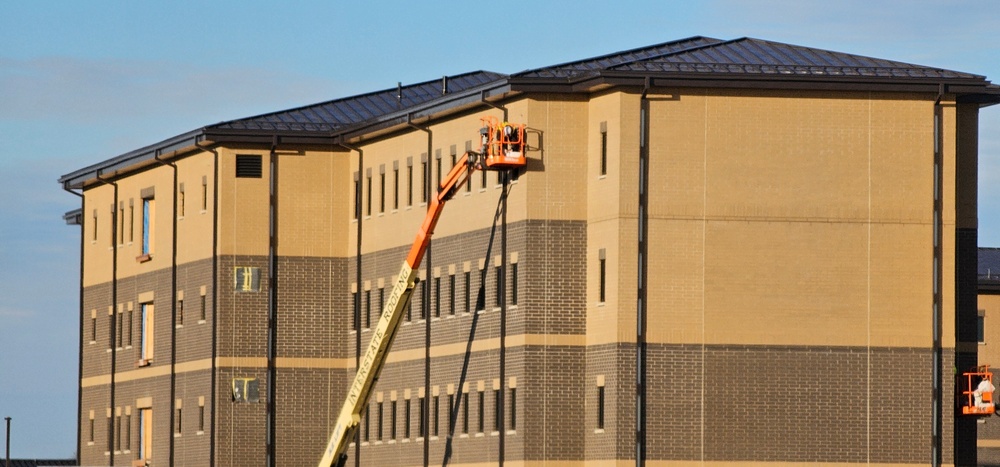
(619, 53)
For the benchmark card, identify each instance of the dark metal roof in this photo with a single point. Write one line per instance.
(756, 56)
(40, 462)
(694, 61)
(341, 113)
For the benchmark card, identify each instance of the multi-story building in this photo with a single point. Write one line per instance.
(724, 252)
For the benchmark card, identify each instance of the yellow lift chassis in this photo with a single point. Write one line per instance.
(503, 147)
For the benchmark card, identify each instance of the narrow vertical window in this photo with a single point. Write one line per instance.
(437, 414)
(180, 203)
(204, 308)
(201, 416)
(204, 194)
(128, 328)
(119, 317)
(131, 222)
(368, 205)
(368, 422)
(482, 405)
(180, 312)
(93, 328)
(111, 231)
(481, 296)
(451, 294)
(602, 275)
(409, 305)
(468, 292)
(381, 413)
(128, 431)
(424, 181)
(118, 432)
(483, 182)
(438, 172)
(600, 407)
(498, 275)
(422, 418)
(148, 224)
(513, 408)
(465, 412)
(981, 327)
(121, 223)
(451, 413)
(381, 196)
(177, 421)
(437, 297)
(392, 426)
(604, 148)
(409, 185)
(513, 284)
(368, 309)
(406, 418)
(357, 198)
(424, 299)
(381, 301)
(94, 227)
(356, 311)
(395, 188)
(91, 437)
(497, 410)
(145, 433)
(146, 332)
(111, 330)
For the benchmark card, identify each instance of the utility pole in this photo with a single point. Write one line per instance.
(8, 441)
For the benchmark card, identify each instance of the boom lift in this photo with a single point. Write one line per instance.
(977, 393)
(502, 147)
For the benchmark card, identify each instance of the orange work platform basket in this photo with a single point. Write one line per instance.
(503, 144)
(977, 391)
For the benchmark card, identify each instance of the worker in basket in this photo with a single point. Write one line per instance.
(983, 394)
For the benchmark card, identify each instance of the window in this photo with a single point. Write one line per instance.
(437, 297)
(482, 404)
(180, 312)
(392, 431)
(422, 419)
(368, 422)
(118, 328)
(438, 171)
(204, 193)
(381, 196)
(90, 439)
(437, 414)
(201, 415)
(93, 326)
(468, 292)
(981, 327)
(513, 284)
(94, 225)
(451, 294)
(128, 431)
(128, 327)
(180, 202)
(177, 420)
(368, 205)
(111, 231)
(600, 407)
(451, 413)
(424, 299)
(111, 330)
(121, 223)
(483, 182)
(498, 274)
(131, 222)
(424, 184)
(357, 198)
(603, 278)
(118, 431)
(146, 332)
(381, 413)
(465, 412)
(406, 425)
(395, 188)
(409, 185)
(368, 309)
(497, 410)
(604, 148)
(204, 312)
(513, 408)
(145, 433)
(357, 312)
(148, 224)
(481, 296)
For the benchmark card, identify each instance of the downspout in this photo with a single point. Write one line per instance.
(936, 350)
(357, 274)
(425, 298)
(215, 277)
(79, 379)
(173, 309)
(114, 319)
(641, 300)
(272, 305)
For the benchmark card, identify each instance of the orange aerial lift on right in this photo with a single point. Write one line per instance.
(503, 147)
(977, 392)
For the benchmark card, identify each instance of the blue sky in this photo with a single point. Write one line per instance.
(81, 82)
